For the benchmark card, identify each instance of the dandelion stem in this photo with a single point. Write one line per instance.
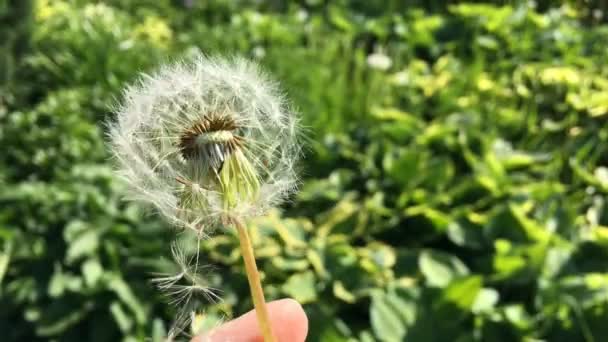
(255, 285)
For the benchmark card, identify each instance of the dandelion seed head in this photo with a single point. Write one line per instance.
(205, 141)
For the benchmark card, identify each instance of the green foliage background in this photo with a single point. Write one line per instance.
(459, 194)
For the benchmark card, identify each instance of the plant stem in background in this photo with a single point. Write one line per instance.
(255, 285)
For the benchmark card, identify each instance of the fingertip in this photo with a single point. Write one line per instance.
(289, 320)
(291, 308)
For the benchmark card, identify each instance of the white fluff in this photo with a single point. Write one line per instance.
(157, 110)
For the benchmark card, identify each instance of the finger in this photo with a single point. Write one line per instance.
(287, 318)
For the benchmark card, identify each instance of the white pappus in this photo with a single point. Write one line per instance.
(206, 141)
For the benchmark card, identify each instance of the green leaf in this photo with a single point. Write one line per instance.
(465, 234)
(84, 245)
(341, 292)
(462, 292)
(122, 318)
(403, 166)
(290, 231)
(301, 287)
(316, 261)
(126, 295)
(62, 282)
(377, 257)
(159, 332)
(390, 316)
(439, 220)
(485, 301)
(92, 272)
(439, 269)
(393, 312)
(5, 258)
(288, 264)
(534, 230)
(337, 18)
(56, 320)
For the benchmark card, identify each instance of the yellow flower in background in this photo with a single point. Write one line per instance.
(155, 30)
(44, 9)
(484, 83)
(560, 75)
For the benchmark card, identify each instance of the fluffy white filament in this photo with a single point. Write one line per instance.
(192, 192)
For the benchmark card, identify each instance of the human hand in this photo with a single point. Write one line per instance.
(287, 318)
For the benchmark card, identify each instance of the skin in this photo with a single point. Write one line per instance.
(288, 320)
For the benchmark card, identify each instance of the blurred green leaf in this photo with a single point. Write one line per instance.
(390, 316)
(439, 269)
(462, 293)
(301, 287)
(126, 295)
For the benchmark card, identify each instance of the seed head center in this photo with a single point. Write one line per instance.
(210, 139)
(214, 137)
